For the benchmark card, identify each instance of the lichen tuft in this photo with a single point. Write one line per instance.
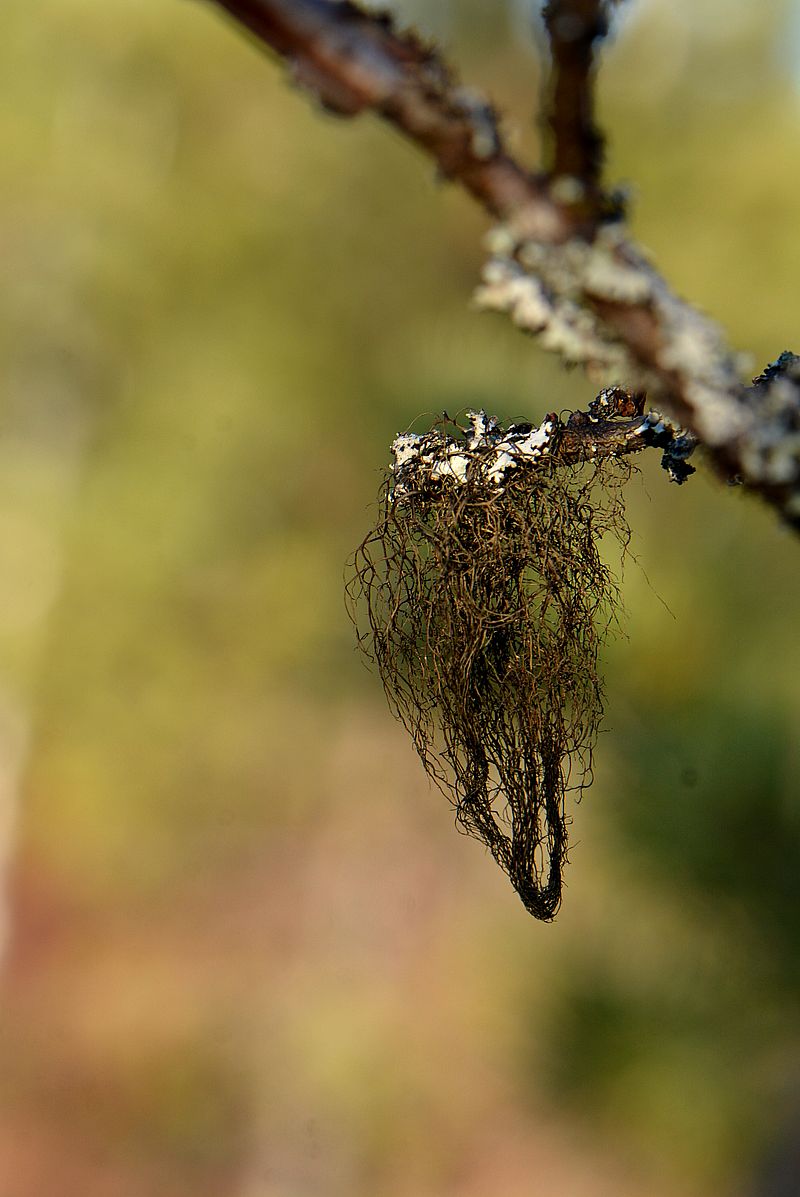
(484, 607)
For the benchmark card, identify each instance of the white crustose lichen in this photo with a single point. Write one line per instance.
(484, 453)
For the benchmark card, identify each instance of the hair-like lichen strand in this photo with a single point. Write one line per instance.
(483, 598)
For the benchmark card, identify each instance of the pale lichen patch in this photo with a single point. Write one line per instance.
(567, 189)
(561, 324)
(606, 277)
(555, 290)
(484, 135)
(482, 453)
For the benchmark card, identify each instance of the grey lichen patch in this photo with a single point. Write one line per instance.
(605, 267)
(772, 451)
(567, 189)
(561, 324)
(774, 459)
(500, 242)
(572, 333)
(693, 348)
(507, 288)
(482, 118)
(545, 288)
(609, 275)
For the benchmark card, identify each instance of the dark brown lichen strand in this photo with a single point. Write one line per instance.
(485, 607)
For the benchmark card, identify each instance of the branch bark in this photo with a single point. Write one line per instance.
(574, 27)
(583, 290)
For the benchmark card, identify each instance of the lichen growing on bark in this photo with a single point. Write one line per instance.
(484, 601)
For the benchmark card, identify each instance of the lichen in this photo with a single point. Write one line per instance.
(549, 289)
(483, 599)
(482, 118)
(560, 324)
(483, 451)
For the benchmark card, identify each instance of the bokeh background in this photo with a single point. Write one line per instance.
(245, 952)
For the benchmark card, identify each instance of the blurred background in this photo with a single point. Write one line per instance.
(245, 952)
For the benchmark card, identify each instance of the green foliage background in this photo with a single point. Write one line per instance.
(247, 953)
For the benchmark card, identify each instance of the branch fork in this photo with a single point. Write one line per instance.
(561, 265)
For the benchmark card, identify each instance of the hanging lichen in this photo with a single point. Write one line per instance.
(486, 602)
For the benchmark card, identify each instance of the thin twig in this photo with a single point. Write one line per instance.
(589, 294)
(352, 61)
(574, 27)
(617, 425)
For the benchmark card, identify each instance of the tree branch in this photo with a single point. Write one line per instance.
(585, 292)
(352, 61)
(576, 152)
(607, 430)
(486, 453)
